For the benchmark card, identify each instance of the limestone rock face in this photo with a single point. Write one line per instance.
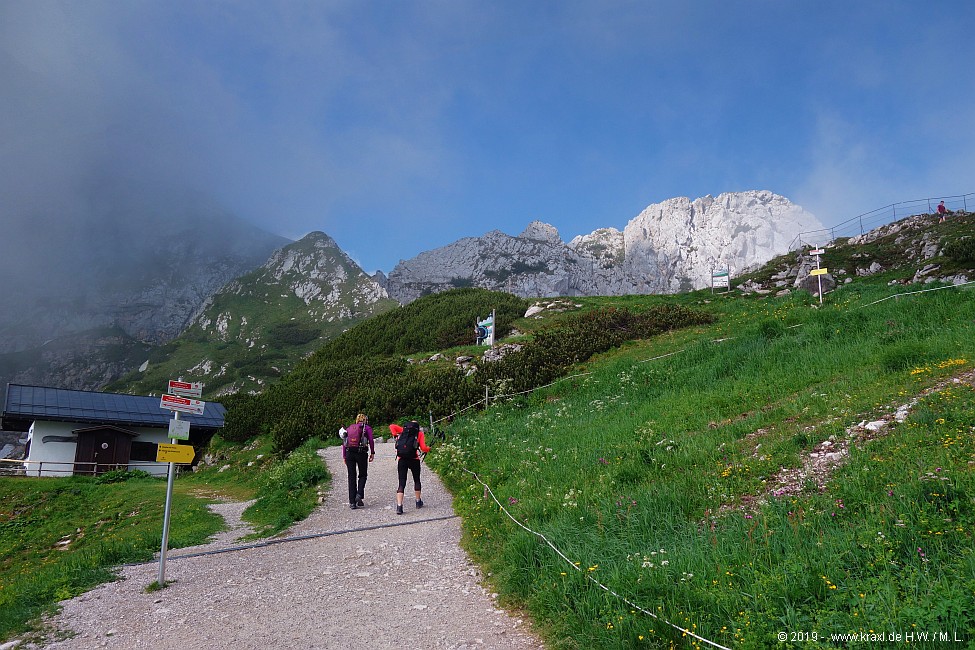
(675, 245)
(539, 265)
(670, 246)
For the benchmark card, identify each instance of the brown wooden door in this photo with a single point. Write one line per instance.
(102, 450)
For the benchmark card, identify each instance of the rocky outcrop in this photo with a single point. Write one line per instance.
(535, 263)
(314, 270)
(676, 245)
(259, 325)
(669, 247)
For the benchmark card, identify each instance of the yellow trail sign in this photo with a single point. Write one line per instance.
(166, 453)
(821, 271)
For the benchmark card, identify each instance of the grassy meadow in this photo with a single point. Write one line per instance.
(656, 476)
(59, 537)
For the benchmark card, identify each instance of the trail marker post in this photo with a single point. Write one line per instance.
(721, 278)
(178, 399)
(819, 272)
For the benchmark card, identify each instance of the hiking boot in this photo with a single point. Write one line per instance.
(353, 506)
(359, 503)
(399, 510)
(419, 503)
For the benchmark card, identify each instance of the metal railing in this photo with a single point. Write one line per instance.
(863, 223)
(50, 468)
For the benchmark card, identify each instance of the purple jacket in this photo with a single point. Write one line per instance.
(368, 431)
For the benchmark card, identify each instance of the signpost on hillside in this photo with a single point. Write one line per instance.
(819, 272)
(484, 330)
(179, 399)
(721, 278)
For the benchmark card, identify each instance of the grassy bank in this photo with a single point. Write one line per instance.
(654, 474)
(60, 537)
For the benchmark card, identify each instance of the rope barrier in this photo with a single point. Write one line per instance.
(911, 293)
(530, 390)
(296, 538)
(588, 575)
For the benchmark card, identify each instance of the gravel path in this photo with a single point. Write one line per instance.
(400, 586)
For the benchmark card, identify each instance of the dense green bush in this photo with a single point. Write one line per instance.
(433, 322)
(280, 498)
(961, 250)
(327, 391)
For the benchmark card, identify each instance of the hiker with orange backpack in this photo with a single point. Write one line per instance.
(410, 441)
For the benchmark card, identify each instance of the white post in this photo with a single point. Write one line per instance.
(161, 580)
(494, 326)
(819, 278)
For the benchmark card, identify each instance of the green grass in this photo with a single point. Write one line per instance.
(646, 473)
(284, 490)
(103, 525)
(108, 523)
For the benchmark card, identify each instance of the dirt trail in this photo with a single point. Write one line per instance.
(399, 586)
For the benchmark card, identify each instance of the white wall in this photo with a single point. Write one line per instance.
(57, 458)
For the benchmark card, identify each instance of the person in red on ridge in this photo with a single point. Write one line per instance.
(942, 211)
(410, 441)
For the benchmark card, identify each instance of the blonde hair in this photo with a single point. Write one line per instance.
(361, 418)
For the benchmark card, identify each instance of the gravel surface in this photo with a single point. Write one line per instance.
(405, 584)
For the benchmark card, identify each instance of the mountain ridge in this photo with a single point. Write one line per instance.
(670, 246)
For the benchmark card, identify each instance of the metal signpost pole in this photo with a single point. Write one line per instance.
(819, 272)
(161, 580)
(819, 278)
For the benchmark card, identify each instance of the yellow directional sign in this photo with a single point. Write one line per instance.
(821, 271)
(174, 453)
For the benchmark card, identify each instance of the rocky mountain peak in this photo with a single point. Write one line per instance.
(542, 232)
(670, 246)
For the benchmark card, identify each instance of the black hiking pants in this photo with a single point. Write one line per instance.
(411, 465)
(357, 464)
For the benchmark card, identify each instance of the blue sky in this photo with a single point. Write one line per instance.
(400, 126)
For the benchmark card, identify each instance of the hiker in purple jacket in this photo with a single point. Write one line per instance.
(358, 451)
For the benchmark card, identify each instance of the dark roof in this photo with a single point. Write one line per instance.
(26, 404)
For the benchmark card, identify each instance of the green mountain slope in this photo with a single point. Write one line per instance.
(256, 329)
(711, 468)
(366, 369)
